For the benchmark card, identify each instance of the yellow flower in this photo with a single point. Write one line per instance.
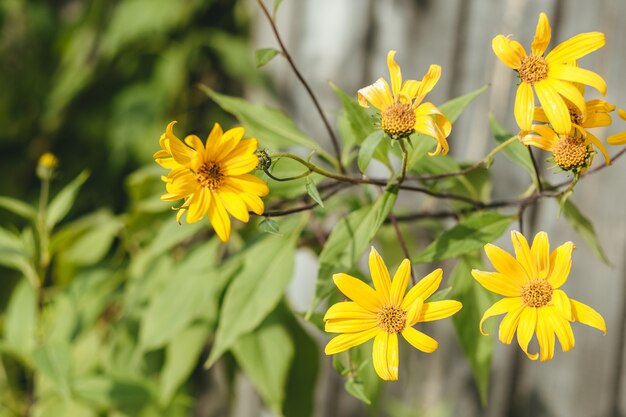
(620, 138)
(46, 165)
(573, 152)
(533, 301)
(383, 312)
(551, 76)
(213, 180)
(401, 107)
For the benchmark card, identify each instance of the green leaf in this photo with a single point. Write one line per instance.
(193, 293)
(348, 240)
(15, 254)
(265, 356)
(128, 395)
(64, 200)
(367, 149)
(469, 235)
(302, 380)
(276, 6)
(452, 109)
(585, 229)
(311, 189)
(21, 318)
(516, 151)
(90, 246)
(181, 356)
(476, 300)
(357, 390)
(269, 225)
(264, 55)
(360, 120)
(18, 207)
(257, 289)
(53, 361)
(271, 127)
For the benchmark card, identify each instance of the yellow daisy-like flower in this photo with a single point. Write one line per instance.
(551, 76)
(533, 301)
(384, 311)
(401, 109)
(573, 152)
(620, 138)
(212, 179)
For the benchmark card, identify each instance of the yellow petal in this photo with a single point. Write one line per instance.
(561, 262)
(235, 205)
(599, 106)
(385, 356)
(438, 310)
(423, 289)
(345, 341)
(542, 36)
(596, 120)
(196, 144)
(506, 264)
(579, 75)
(198, 205)
(247, 183)
(212, 142)
(598, 144)
(526, 329)
(228, 142)
(429, 81)
(358, 291)
(413, 313)
(538, 141)
(244, 147)
(429, 109)
(510, 52)
(349, 325)
(524, 106)
(617, 139)
(576, 47)
(561, 327)
(498, 283)
(554, 106)
(410, 88)
(522, 253)
(378, 94)
(239, 165)
(622, 113)
(570, 92)
(500, 307)
(562, 303)
(420, 340)
(427, 126)
(400, 282)
(540, 116)
(545, 335)
(587, 315)
(540, 253)
(348, 310)
(394, 73)
(509, 323)
(219, 218)
(380, 275)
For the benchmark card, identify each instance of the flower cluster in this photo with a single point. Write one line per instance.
(562, 121)
(213, 179)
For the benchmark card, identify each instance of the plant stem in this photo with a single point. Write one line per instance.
(331, 133)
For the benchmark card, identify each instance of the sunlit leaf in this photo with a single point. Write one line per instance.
(61, 204)
(582, 224)
(313, 192)
(264, 55)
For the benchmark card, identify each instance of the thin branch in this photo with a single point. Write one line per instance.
(305, 207)
(331, 133)
(537, 174)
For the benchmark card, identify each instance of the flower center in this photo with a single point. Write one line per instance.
(210, 176)
(574, 114)
(570, 152)
(537, 293)
(533, 69)
(391, 319)
(398, 120)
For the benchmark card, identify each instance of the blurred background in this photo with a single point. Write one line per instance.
(96, 82)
